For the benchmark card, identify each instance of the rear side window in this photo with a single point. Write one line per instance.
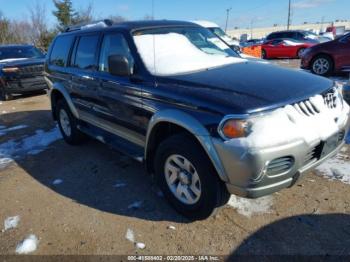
(60, 50)
(272, 36)
(85, 57)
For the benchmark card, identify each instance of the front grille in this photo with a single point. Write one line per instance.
(330, 98)
(279, 165)
(306, 108)
(314, 154)
(33, 69)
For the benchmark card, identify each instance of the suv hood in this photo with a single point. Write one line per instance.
(247, 87)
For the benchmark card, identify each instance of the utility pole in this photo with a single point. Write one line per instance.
(227, 15)
(288, 22)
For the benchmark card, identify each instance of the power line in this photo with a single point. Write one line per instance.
(289, 7)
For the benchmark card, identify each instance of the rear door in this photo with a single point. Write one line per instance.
(83, 67)
(119, 104)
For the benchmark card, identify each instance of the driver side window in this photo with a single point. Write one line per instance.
(114, 44)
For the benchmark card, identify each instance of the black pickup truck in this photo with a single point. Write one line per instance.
(206, 122)
(21, 70)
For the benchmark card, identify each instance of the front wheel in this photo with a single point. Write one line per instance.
(68, 124)
(187, 178)
(263, 54)
(4, 96)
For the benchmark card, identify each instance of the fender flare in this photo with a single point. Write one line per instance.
(57, 87)
(194, 127)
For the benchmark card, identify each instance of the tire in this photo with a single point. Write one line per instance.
(263, 54)
(300, 52)
(213, 192)
(322, 65)
(68, 124)
(3, 95)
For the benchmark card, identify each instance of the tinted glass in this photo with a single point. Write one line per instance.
(114, 44)
(60, 51)
(271, 36)
(85, 57)
(20, 52)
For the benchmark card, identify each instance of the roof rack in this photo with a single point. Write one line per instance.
(94, 24)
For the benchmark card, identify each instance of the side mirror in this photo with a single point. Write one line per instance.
(118, 65)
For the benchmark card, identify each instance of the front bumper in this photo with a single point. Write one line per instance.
(247, 170)
(24, 85)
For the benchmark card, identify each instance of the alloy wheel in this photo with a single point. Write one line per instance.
(321, 66)
(182, 179)
(65, 123)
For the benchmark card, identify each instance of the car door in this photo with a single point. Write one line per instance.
(119, 104)
(83, 66)
(273, 48)
(343, 53)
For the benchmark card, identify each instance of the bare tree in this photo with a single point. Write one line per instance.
(84, 15)
(38, 22)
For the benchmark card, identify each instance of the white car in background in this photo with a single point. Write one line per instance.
(234, 44)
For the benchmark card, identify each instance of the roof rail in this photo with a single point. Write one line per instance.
(93, 24)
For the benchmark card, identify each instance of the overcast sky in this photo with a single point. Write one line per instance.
(260, 12)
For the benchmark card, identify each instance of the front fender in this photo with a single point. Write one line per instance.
(193, 126)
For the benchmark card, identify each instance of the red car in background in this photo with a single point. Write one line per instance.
(327, 58)
(283, 48)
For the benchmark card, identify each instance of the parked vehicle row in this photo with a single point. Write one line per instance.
(204, 121)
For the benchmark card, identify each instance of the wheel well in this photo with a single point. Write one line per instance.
(159, 133)
(55, 97)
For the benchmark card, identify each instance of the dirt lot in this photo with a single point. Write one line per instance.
(84, 200)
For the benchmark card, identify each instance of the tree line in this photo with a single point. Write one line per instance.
(35, 29)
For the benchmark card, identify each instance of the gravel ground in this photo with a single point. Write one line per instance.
(93, 200)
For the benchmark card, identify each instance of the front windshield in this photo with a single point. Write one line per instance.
(20, 52)
(175, 50)
(218, 31)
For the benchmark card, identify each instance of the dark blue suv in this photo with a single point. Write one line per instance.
(204, 121)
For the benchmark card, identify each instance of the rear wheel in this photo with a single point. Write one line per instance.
(322, 65)
(187, 178)
(68, 124)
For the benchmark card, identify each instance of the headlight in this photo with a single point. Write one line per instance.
(10, 69)
(234, 128)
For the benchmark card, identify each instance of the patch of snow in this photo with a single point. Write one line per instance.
(3, 112)
(57, 181)
(130, 235)
(171, 227)
(336, 168)
(173, 53)
(5, 161)
(248, 207)
(11, 222)
(135, 205)
(30, 145)
(140, 245)
(28, 245)
(4, 130)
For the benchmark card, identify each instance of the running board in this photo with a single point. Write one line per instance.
(117, 143)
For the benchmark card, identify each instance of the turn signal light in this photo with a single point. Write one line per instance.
(234, 128)
(10, 69)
